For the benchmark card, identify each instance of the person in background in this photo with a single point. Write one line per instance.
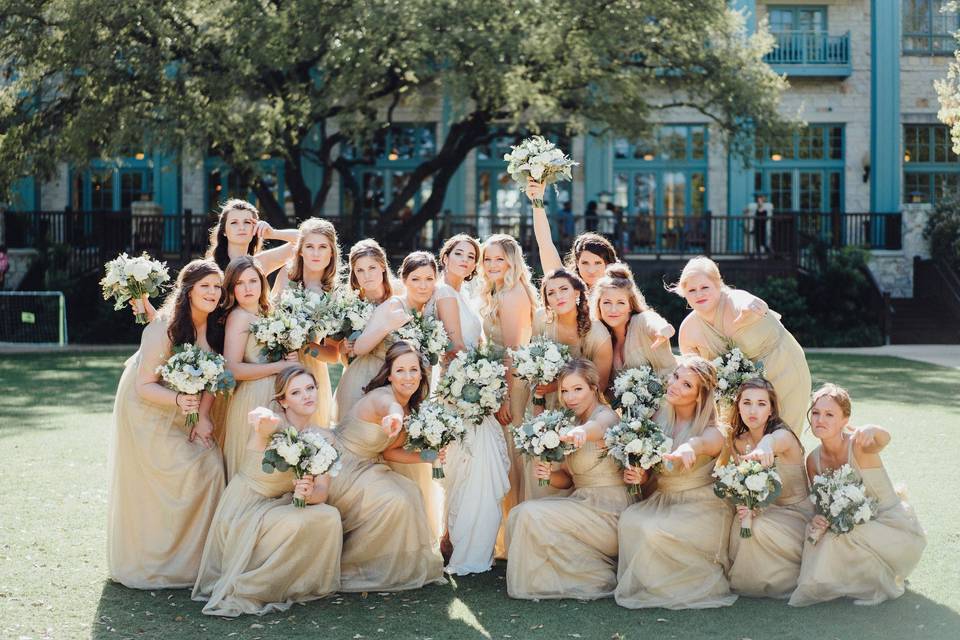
(590, 216)
(759, 213)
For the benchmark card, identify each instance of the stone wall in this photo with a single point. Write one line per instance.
(894, 269)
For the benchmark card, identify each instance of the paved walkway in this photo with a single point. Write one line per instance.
(945, 355)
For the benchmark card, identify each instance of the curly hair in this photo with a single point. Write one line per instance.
(176, 306)
(328, 231)
(583, 306)
(517, 274)
(382, 379)
(217, 251)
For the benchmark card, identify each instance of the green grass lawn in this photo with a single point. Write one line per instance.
(54, 428)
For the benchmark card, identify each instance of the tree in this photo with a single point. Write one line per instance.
(318, 81)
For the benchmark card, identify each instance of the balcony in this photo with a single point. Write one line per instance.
(812, 54)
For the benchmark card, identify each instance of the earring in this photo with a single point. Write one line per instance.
(578, 300)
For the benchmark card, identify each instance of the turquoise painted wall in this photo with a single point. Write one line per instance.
(885, 106)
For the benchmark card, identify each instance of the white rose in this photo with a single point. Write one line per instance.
(628, 399)
(863, 514)
(550, 440)
(756, 482)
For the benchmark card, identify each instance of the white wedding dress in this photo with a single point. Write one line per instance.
(476, 471)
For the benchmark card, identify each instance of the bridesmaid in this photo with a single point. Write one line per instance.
(244, 300)
(387, 543)
(565, 319)
(640, 335)
(477, 470)
(723, 318)
(370, 276)
(165, 479)
(673, 545)
(767, 564)
(870, 563)
(263, 554)
(589, 256)
(507, 301)
(316, 259)
(566, 547)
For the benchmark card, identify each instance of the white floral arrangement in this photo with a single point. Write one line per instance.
(540, 159)
(733, 369)
(427, 334)
(841, 498)
(306, 452)
(294, 321)
(638, 392)
(351, 311)
(430, 428)
(132, 278)
(540, 437)
(475, 383)
(637, 442)
(747, 483)
(539, 362)
(191, 370)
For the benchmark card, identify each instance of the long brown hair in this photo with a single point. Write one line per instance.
(370, 248)
(328, 231)
(452, 243)
(218, 234)
(593, 243)
(397, 349)
(583, 306)
(176, 306)
(416, 260)
(235, 270)
(774, 422)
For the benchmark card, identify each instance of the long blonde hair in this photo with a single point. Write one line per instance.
(327, 230)
(517, 274)
(706, 412)
(617, 276)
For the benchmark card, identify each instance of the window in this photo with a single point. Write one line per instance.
(223, 184)
(931, 169)
(792, 19)
(804, 172)
(926, 29)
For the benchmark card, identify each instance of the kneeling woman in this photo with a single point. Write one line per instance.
(566, 547)
(264, 554)
(388, 545)
(870, 563)
(673, 545)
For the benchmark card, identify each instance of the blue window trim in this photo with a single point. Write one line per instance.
(795, 9)
(766, 165)
(929, 34)
(212, 201)
(931, 168)
(115, 168)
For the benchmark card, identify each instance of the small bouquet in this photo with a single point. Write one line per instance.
(132, 278)
(475, 383)
(429, 429)
(351, 312)
(841, 499)
(192, 370)
(637, 441)
(733, 369)
(638, 392)
(539, 362)
(307, 453)
(295, 321)
(541, 160)
(427, 333)
(749, 484)
(539, 437)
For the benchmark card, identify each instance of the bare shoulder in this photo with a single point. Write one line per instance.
(516, 295)
(239, 319)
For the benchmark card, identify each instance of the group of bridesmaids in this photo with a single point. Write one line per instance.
(192, 507)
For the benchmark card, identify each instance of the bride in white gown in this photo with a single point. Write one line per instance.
(477, 469)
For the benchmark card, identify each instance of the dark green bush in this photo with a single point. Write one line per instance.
(943, 231)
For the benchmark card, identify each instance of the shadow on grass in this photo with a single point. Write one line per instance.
(478, 607)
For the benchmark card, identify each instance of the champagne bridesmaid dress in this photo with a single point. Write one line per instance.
(869, 563)
(248, 395)
(767, 564)
(262, 553)
(586, 347)
(566, 547)
(321, 417)
(163, 491)
(387, 544)
(673, 545)
(766, 340)
(356, 375)
(638, 348)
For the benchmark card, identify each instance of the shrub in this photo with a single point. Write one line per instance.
(943, 231)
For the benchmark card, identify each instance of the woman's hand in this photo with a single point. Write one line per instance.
(346, 348)
(291, 356)
(866, 436)
(535, 190)
(263, 230)
(263, 420)
(396, 318)
(744, 512)
(661, 335)
(543, 389)
(442, 456)
(303, 487)
(757, 307)
(142, 305)
(542, 470)
(188, 403)
(684, 455)
(203, 431)
(817, 527)
(503, 415)
(635, 475)
(762, 454)
(575, 436)
(392, 424)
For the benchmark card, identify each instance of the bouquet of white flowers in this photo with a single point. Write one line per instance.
(637, 441)
(132, 278)
(539, 362)
(475, 383)
(541, 160)
(638, 391)
(841, 499)
(307, 453)
(539, 437)
(733, 369)
(427, 334)
(351, 311)
(430, 428)
(293, 322)
(191, 370)
(749, 484)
